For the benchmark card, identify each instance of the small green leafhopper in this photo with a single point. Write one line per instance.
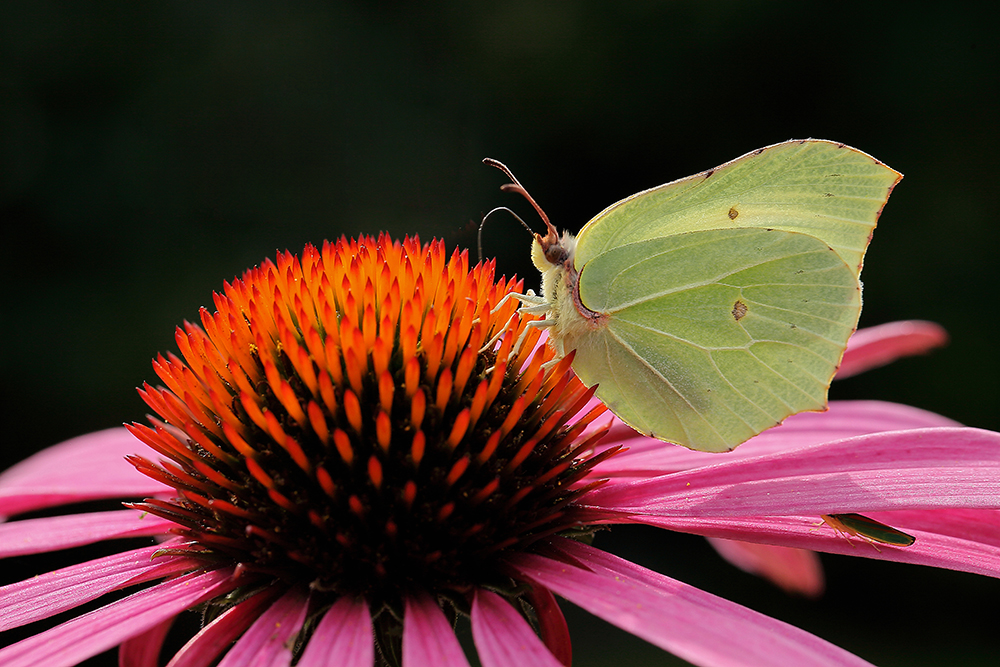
(867, 529)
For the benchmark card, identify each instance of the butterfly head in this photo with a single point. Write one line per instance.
(552, 250)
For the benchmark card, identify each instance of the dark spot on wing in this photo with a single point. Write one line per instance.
(733, 213)
(739, 310)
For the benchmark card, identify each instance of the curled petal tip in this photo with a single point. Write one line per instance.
(880, 345)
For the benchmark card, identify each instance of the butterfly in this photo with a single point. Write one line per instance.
(709, 309)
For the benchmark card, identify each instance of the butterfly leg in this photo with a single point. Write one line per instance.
(538, 306)
(530, 298)
(533, 324)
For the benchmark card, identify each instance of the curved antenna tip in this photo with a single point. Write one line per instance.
(517, 187)
(483, 224)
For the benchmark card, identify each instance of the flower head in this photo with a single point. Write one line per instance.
(362, 444)
(347, 421)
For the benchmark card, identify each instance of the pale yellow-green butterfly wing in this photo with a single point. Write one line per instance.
(821, 188)
(713, 336)
(724, 301)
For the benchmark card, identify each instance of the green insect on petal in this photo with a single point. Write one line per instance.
(868, 529)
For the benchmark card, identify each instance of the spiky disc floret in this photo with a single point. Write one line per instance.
(345, 421)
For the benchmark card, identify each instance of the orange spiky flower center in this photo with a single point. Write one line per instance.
(366, 420)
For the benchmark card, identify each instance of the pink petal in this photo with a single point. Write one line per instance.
(809, 532)
(144, 650)
(76, 640)
(919, 468)
(794, 570)
(428, 638)
(89, 467)
(844, 419)
(268, 641)
(551, 624)
(694, 625)
(503, 637)
(343, 637)
(33, 536)
(48, 594)
(648, 457)
(202, 649)
(877, 346)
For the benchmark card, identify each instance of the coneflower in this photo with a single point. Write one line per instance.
(361, 445)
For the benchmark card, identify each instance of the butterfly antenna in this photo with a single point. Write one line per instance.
(518, 188)
(479, 238)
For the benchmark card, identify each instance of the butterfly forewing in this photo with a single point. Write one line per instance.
(821, 188)
(711, 337)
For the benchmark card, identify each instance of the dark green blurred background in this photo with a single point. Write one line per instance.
(149, 151)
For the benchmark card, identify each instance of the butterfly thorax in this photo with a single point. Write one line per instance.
(569, 318)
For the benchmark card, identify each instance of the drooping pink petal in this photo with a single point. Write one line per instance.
(696, 626)
(343, 637)
(880, 345)
(919, 468)
(551, 624)
(503, 637)
(647, 457)
(144, 650)
(794, 570)
(89, 467)
(48, 594)
(428, 639)
(33, 536)
(267, 643)
(78, 639)
(202, 649)
(809, 532)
